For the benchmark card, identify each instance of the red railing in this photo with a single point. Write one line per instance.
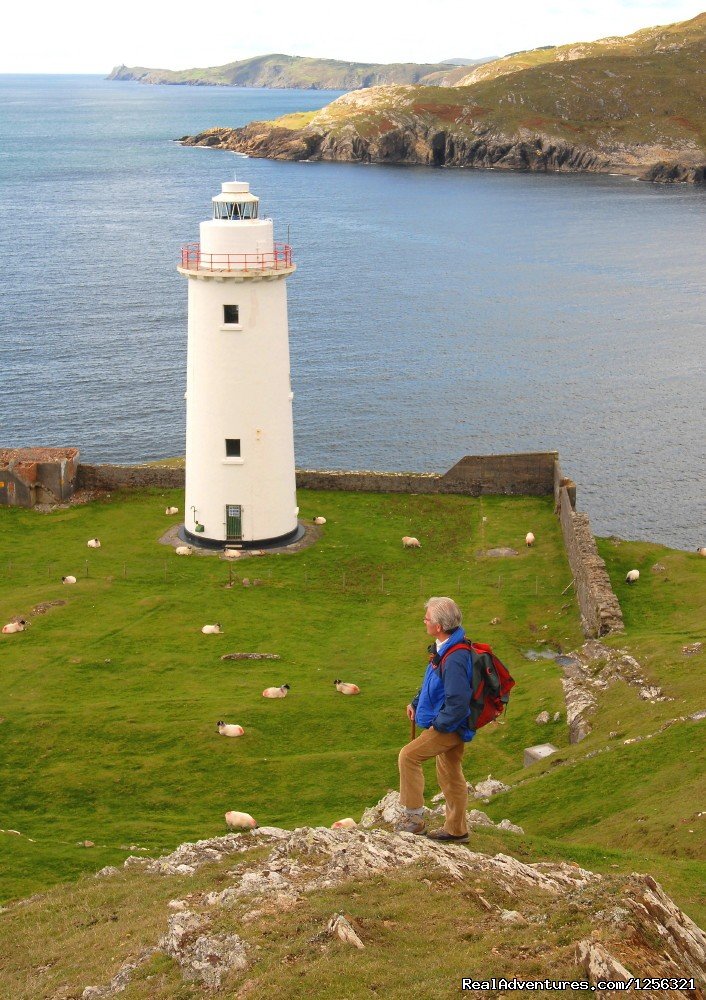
(192, 259)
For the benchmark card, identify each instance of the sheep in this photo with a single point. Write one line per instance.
(410, 543)
(183, 550)
(633, 576)
(701, 552)
(345, 688)
(238, 819)
(280, 692)
(68, 579)
(226, 729)
(344, 824)
(212, 629)
(319, 520)
(93, 543)
(529, 539)
(18, 626)
(231, 554)
(171, 510)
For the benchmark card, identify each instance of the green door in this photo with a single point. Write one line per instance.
(234, 522)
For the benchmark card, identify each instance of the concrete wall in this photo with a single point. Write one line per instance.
(528, 474)
(117, 477)
(29, 476)
(600, 610)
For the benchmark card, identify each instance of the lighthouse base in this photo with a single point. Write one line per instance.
(200, 542)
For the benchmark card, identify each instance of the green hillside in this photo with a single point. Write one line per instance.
(111, 696)
(635, 105)
(297, 72)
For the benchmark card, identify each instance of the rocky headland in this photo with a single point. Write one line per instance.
(634, 106)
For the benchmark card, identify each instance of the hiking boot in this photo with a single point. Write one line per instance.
(411, 824)
(447, 838)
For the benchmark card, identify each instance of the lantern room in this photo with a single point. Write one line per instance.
(235, 203)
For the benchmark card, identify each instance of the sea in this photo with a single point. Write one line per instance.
(434, 313)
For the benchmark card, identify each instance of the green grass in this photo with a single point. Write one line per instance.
(111, 700)
(108, 734)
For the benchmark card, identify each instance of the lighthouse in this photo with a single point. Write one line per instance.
(240, 480)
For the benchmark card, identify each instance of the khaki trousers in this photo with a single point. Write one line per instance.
(448, 749)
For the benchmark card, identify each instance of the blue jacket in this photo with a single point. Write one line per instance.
(445, 702)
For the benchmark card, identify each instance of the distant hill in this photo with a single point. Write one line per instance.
(299, 72)
(633, 105)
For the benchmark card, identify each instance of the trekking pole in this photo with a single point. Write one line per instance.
(413, 728)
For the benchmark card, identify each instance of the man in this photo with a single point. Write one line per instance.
(441, 708)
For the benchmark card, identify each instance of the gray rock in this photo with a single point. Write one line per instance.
(505, 824)
(202, 958)
(476, 817)
(489, 787)
(542, 718)
(512, 917)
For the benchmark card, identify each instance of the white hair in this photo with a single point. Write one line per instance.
(444, 612)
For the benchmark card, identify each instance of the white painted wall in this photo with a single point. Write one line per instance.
(238, 386)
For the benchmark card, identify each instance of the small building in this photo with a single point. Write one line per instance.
(29, 476)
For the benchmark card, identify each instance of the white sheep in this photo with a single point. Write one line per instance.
(633, 576)
(212, 629)
(183, 550)
(408, 542)
(68, 579)
(280, 692)
(701, 552)
(529, 539)
(231, 553)
(18, 626)
(93, 543)
(345, 688)
(344, 824)
(171, 510)
(227, 729)
(319, 520)
(237, 819)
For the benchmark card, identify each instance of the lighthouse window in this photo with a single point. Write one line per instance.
(232, 447)
(230, 314)
(235, 211)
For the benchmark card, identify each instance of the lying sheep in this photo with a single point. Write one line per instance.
(171, 510)
(408, 542)
(701, 552)
(529, 539)
(68, 579)
(93, 543)
(238, 819)
(183, 550)
(212, 629)
(345, 688)
(319, 520)
(231, 553)
(280, 692)
(633, 576)
(227, 729)
(18, 626)
(344, 824)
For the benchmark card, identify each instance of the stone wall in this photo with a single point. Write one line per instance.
(117, 477)
(528, 474)
(600, 610)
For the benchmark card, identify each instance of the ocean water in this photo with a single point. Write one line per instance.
(434, 313)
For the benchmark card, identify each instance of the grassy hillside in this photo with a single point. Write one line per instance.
(636, 105)
(111, 699)
(298, 72)
(108, 733)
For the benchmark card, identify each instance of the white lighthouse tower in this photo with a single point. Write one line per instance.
(240, 482)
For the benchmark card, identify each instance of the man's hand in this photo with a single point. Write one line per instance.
(410, 713)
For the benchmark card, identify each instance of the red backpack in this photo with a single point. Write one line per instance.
(491, 682)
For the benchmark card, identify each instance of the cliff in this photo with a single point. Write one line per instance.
(635, 106)
(298, 72)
